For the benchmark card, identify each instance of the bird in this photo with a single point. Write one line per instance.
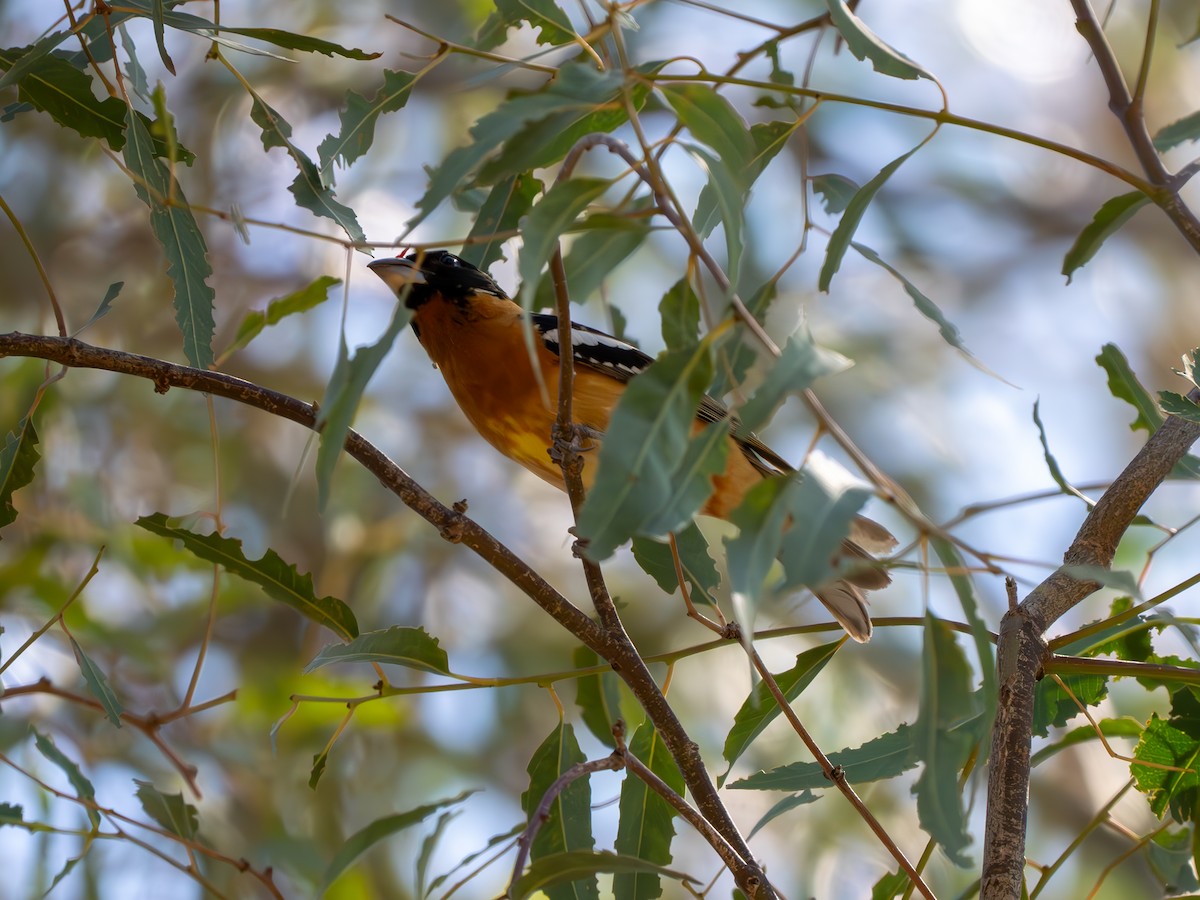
(475, 334)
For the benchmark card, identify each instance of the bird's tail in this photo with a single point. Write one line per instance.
(847, 604)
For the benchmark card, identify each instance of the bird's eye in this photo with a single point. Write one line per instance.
(451, 260)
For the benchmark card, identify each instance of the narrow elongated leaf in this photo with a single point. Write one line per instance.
(606, 242)
(83, 788)
(181, 239)
(1178, 132)
(1052, 464)
(413, 648)
(1108, 221)
(646, 828)
(358, 119)
(569, 824)
(1126, 726)
(713, 121)
(548, 218)
(883, 757)
(365, 838)
(692, 480)
(97, 684)
(800, 364)
(839, 241)
(1124, 385)
(104, 308)
(835, 191)
(18, 458)
(505, 206)
(822, 508)
(727, 187)
(736, 357)
(947, 702)
(280, 580)
(785, 805)
(768, 138)
(157, 11)
(280, 308)
(760, 520)
(679, 310)
(170, 811)
(866, 44)
(699, 569)
(549, 873)
(645, 458)
(598, 697)
(968, 597)
(760, 709)
(350, 377)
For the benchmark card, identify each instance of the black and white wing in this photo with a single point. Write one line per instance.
(593, 348)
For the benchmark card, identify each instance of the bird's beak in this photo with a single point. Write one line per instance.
(396, 273)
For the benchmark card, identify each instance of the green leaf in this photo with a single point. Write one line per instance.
(835, 191)
(279, 309)
(365, 838)
(713, 121)
(104, 308)
(18, 458)
(97, 684)
(12, 814)
(768, 138)
(358, 120)
(1126, 726)
(1170, 856)
(349, 380)
(505, 206)
(946, 703)
(598, 697)
(726, 186)
(182, 242)
(1178, 132)
(399, 645)
(569, 823)
(760, 709)
(964, 587)
(280, 580)
(822, 509)
(1124, 385)
(606, 242)
(736, 357)
(679, 310)
(550, 872)
(760, 519)
(552, 25)
(787, 804)
(699, 569)
(1052, 464)
(1053, 707)
(841, 238)
(1107, 221)
(320, 761)
(800, 364)
(883, 757)
(646, 829)
(1117, 579)
(156, 14)
(170, 811)
(1170, 783)
(1178, 405)
(83, 788)
(548, 218)
(866, 44)
(648, 459)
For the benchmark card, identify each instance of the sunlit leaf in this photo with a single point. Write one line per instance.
(1170, 782)
(1174, 404)
(280, 308)
(713, 121)
(97, 684)
(18, 458)
(646, 828)
(551, 23)
(280, 580)
(413, 648)
(606, 242)
(1053, 706)
(170, 811)
(1108, 220)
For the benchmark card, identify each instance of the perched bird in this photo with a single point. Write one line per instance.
(474, 334)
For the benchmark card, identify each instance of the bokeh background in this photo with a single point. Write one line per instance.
(980, 222)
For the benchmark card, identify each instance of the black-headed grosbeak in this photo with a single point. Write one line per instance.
(474, 334)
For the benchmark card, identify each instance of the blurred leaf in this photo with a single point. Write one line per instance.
(548, 218)
(1125, 726)
(840, 240)
(964, 587)
(768, 138)
(787, 804)
(428, 846)
(505, 206)
(1170, 856)
(83, 788)
(699, 569)
(97, 685)
(947, 702)
(883, 757)
(551, 23)
(645, 829)
(156, 16)
(18, 458)
(170, 811)
(569, 822)
(866, 44)
(309, 188)
(1108, 220)
(760, 708)
(13, 814)
(550, 872)
(822, 507)
(358, 120)
(648, 459)
(182, 242)
(893, 884)
(679, 310)
(279, 309)
(800, 364)
(835, 191)
(736, 357)
(1053, 707)
(1052, 464)
(134, 72)
(1171, 782)
(1117, 579)
(598, 697)
(413, 648)
(692, 480)
(320, 761)
(606, 242)
(1178, 132)
(760, 519)
(104, 308)
(713, 121)
(350, 377)
(1177, 405)
(725, 185)
(365, 838)
(280, 580)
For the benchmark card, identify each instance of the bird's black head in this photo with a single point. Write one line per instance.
(427, 273)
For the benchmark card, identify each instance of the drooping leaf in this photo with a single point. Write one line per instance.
(835, 191)
(370, 835)
(883, 757)
(760, 519)
(646, 828)
(280, 580)
(506, 204)
(866, 44)
(769, 138)
(1114, 213)
(699, 569)
(607, 241)
(1126, 726)
(280, 308)
(97, 684)
(83, 787)
(679, 310)
(170, 811)
(551, 23)
(787, 804)
(413, 648)
(1171, 855)
(548, 218)
(358, 119)
(598, 697)
(968, 598)
(713, 121)
(182, 241)
(104, 308)
(1052, 464)
(1178, 132)
(18, 458)
(727, 187)
(800, 364)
